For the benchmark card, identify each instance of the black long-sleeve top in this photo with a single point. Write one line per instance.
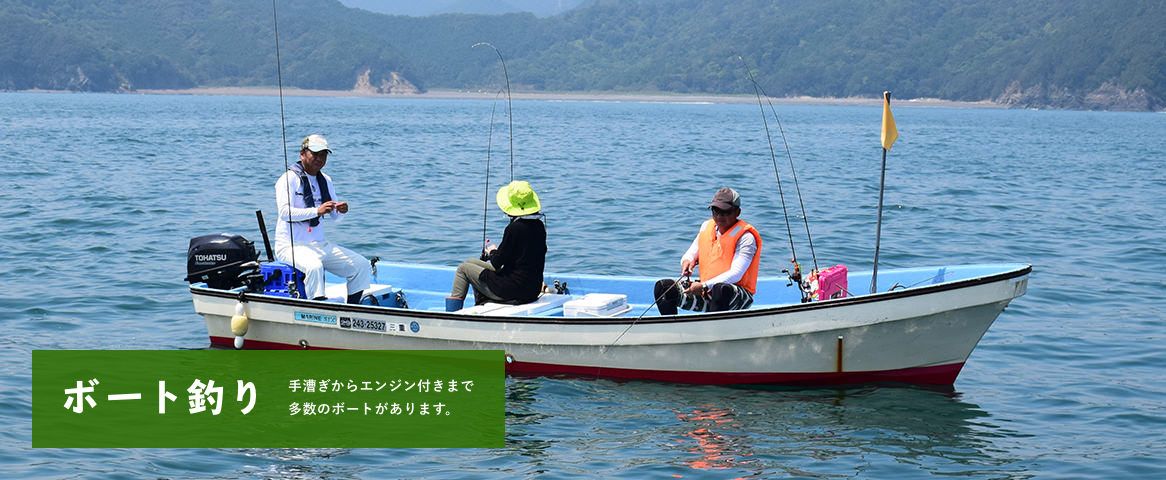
(519, 262)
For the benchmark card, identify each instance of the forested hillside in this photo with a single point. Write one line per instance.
(112, 45)
(1043, 53)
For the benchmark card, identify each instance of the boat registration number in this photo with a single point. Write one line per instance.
(368, 325)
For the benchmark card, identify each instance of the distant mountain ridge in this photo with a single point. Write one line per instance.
(1076, 54)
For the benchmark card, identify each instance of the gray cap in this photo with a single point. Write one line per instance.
(725, 199)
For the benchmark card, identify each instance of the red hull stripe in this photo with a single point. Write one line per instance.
(934, 375)
(937, 375)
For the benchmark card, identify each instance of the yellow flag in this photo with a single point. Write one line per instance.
(890, 133)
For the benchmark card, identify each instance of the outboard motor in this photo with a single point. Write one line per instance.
(223, 261)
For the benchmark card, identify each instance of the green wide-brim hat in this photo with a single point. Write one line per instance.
(518, 199)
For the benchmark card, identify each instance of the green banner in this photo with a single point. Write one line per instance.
(267, 399)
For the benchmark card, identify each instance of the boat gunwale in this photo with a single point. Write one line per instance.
(654, 319)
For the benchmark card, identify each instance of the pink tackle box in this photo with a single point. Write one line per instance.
(832, 283)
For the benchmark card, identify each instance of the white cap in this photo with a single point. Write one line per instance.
(315, 143)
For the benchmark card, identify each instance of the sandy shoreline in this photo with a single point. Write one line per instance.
(573, 96)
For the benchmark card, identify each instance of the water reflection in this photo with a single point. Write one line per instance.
(583, 426)
(523, 418)
(716, 451)
(832, 432)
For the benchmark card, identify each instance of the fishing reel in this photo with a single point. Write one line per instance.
(561, 288)
(804, 285)
(685, 280)
(488, 250)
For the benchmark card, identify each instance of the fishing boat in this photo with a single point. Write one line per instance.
(919, 327)
(915, 325)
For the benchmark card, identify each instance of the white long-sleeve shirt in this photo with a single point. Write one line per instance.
(302, 232)
(742, 256)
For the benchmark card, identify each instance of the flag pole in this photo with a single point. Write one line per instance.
(889, 135)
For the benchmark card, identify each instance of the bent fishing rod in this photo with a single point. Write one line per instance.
(509, 106)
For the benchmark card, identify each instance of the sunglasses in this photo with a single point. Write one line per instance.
(717, 211)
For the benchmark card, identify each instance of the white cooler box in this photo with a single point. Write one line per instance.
(597, 305)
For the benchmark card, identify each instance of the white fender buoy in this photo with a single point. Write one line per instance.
(239, 325)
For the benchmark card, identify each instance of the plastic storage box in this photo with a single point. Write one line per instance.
(597, 305)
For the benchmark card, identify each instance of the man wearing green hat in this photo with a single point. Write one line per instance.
(512, 271)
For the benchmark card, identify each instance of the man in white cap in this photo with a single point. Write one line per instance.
(728, 252)
(303, 196)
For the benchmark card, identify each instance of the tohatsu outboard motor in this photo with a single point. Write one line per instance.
(223, 261)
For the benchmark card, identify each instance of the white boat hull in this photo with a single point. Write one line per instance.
(921, 335)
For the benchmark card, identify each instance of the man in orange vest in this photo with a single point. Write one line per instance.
(728, 252)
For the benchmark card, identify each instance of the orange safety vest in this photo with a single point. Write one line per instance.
(714, 258)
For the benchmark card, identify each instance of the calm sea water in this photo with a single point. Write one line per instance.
(103, 192)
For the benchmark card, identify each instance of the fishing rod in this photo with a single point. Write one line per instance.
(292, 288)
(489, 147)
(796, 276)
(686, 273)
(509, 106)
(797, 186)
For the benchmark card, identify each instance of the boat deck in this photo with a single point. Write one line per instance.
(425, 287)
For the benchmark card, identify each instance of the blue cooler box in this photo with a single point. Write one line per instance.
(277, 276)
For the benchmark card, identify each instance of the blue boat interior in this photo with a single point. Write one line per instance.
(424, 287)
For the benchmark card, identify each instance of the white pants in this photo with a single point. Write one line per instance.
(314, 258)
